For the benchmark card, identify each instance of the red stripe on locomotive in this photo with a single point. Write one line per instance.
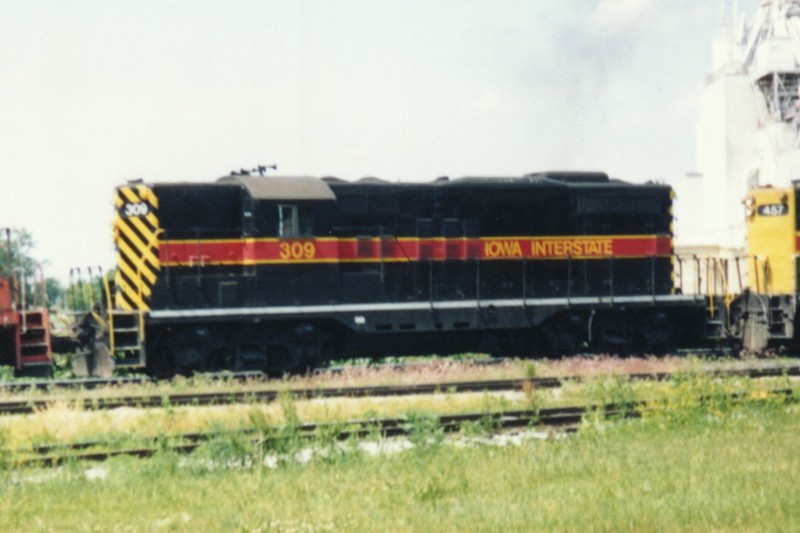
(371, 249)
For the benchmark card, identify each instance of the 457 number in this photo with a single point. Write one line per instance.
(297, 250)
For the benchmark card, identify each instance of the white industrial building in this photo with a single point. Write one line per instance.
(749, 129)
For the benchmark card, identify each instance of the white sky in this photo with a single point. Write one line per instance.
(96, 92)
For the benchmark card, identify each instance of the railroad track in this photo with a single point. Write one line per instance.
(241, 377)
(235, 377)
(28, 406)
(565, 419)
(85, 383)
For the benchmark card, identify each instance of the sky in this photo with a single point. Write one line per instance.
(93, 93)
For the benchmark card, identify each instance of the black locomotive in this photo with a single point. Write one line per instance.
(281, 273)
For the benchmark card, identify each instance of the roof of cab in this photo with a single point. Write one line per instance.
(283, 187)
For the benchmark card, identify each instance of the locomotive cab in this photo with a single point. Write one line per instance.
(204, 246)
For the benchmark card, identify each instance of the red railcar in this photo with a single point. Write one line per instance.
(24, 325)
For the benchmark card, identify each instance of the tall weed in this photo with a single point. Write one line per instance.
(424, 430)
(615, 398)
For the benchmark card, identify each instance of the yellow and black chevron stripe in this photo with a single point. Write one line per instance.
(136, 235)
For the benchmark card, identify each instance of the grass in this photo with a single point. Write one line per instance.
(720, 468)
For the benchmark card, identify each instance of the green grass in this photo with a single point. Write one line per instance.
(718, 467)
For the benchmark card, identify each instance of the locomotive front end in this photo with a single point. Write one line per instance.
(136, 237)
(767, 306)
(137, 234)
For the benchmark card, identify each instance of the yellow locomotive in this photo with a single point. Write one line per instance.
(768, 306)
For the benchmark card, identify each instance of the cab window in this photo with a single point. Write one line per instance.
(295, 221)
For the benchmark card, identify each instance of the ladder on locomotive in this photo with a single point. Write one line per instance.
(126, 337)
(776, 307)
(126, 328)
(126, 333)
(122, 330)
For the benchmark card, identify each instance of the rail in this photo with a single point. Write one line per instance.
(28, 406)
(565, 419)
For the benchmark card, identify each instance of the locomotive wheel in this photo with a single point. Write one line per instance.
(611, 335)
(281, 359)
(327, 351)
(249, 356)
(159, 360)
(564, 336)
(319, 350)
(490, 345)
(185, 352)
(190, 359)
(655, 335)
(220, 358)
(271, 352)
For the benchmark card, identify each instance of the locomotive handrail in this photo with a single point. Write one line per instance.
(611, 278)
(80, 287)
(653, 277)
(524, 283)
(761, 270)
(107, 289)
(569, 280)
(9, 269)
(711, 283)
(430, 284)
(739, 273)
(198, 256)
(727, 297)
(698, 272)
(42, 287)
(380, 253)
(478, 282)
(651, 282)
(91, 288)
(755, 271)
(23, 303)
(400, 246)
(70, 302)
